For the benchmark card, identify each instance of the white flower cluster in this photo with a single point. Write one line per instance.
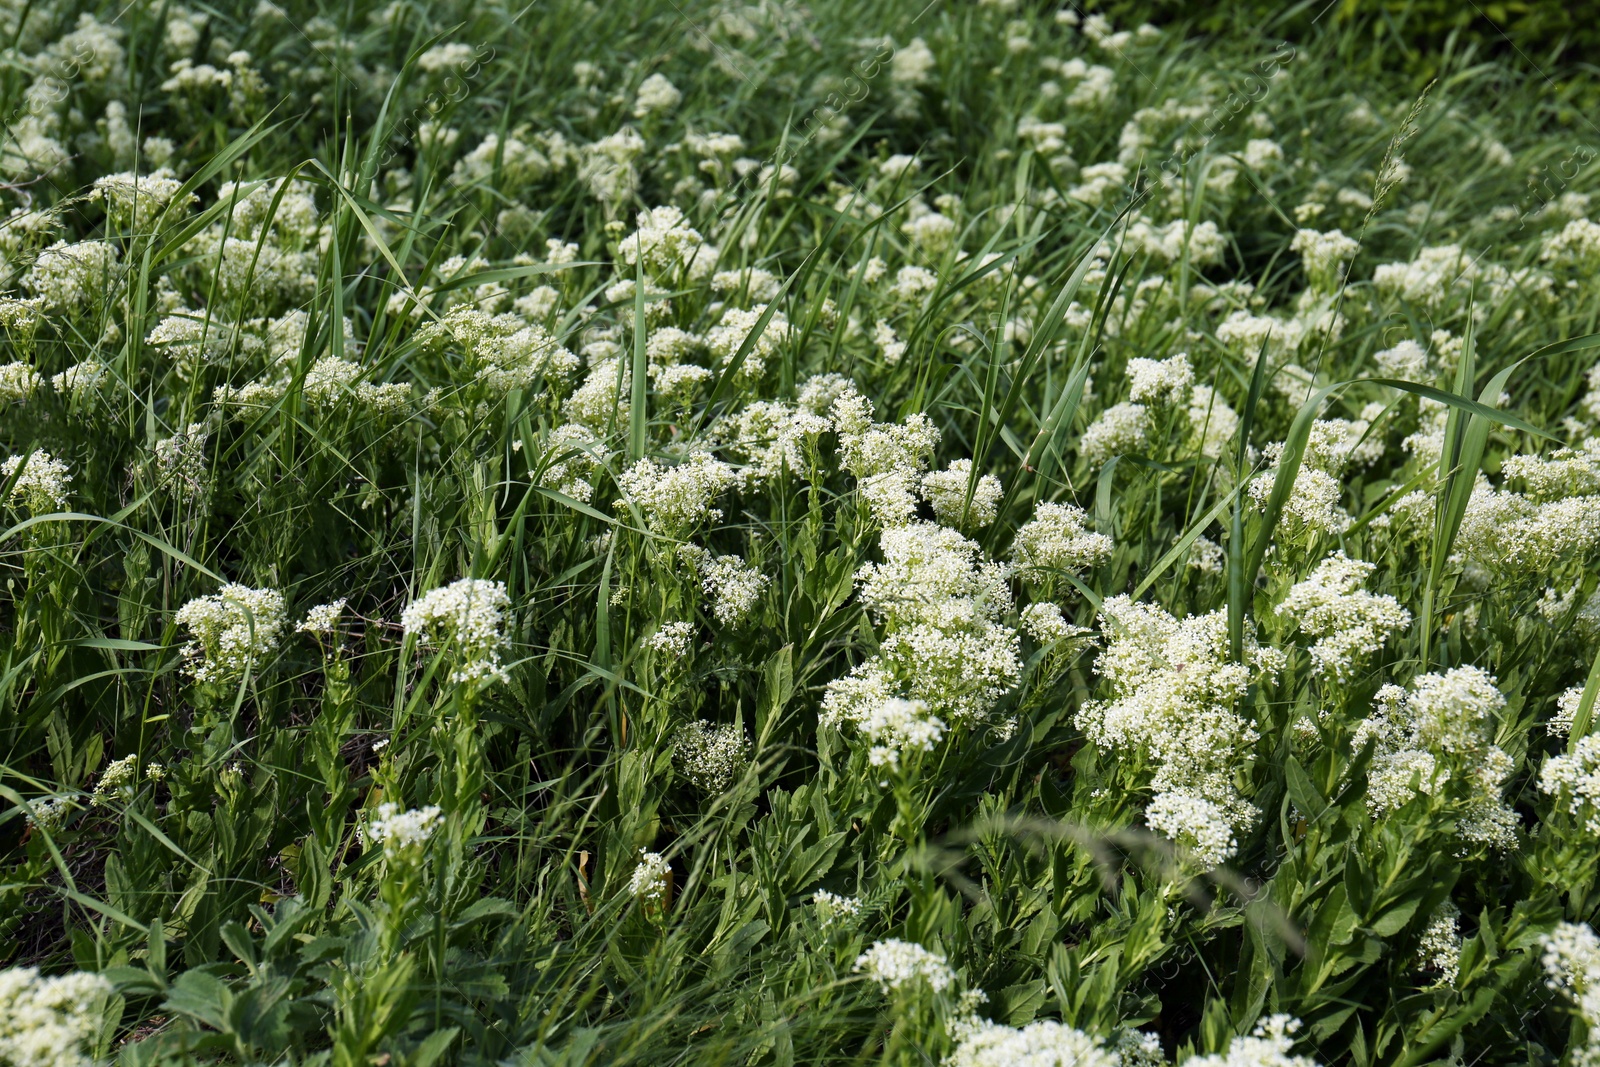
(401, 833)
(1517, 536)
(18, 382)
(1173, 694)
(233, 631)
(1271, 1044)
(1057, 539)
(1046, 1043)
(46, 1022)
(467, 617)
(1043, 621)
(1574, 780)
(42, 484)
(1348, 622)
(1323, 255)
(135, 201)
(667, 244)
(1442, 731)
(886, 459)
(834, 909)
(735, 587)
(1120, 430)
(1204, 241)
(1163, 381)
(322, 619)
(897, 965)
(1439, 950)
(506, 352)
(117, 780)
(1576, 245)
(1313, 505)
(49, 813)
(946, 490)
(650, 877)
(1572, 968)
(571, 455)
(1566, 711)
(1440, 274)
(673, 640)
(1158, 387)
(1565, 472)
(772, 436)
(712, 757)
(1246, 334)
(74, 277)
(940, 603)
(896, 728)
(676, 499)
(1200, 828)
(656, 94)
(737, 325)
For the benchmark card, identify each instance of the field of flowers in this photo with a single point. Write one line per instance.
(720, 533)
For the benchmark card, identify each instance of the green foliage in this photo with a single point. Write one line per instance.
(457, 610)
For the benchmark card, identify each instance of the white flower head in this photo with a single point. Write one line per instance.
(42, 484)
(712, 757)
(650, 876)
(946, 490)
(233, 631)
(1057, 538)
(896, 728)
(656, 94)
(468, 617)
(401, 833)
(673, 640)
(833, 909)
(897, 965)
(48, 1022)
(322, 619)
(1045, 1043)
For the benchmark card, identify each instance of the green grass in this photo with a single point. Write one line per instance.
(292, 388)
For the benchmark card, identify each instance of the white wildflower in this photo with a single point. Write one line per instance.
(467, 618)
(1198, 826)
(49, 1022)
(1574, 781)
(896, 728)
(651, 876)
(1572, 967)
(1271, 1044)
(735, 588)
(1046, 1043)
(656, 94)
(1165, 381)
(1120, 430)
(833, 908)
(42, 483)
(1324, 254)
(1057, 539)
(946, 490)
(401, 833)
(712, 757)
(673, 639)
(676, 499)
(1349, 622)
(897, 965)
(322, 619)
(18, 382)
(233, 631)
(1440, 948)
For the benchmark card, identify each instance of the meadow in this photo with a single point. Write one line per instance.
(863, 532)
